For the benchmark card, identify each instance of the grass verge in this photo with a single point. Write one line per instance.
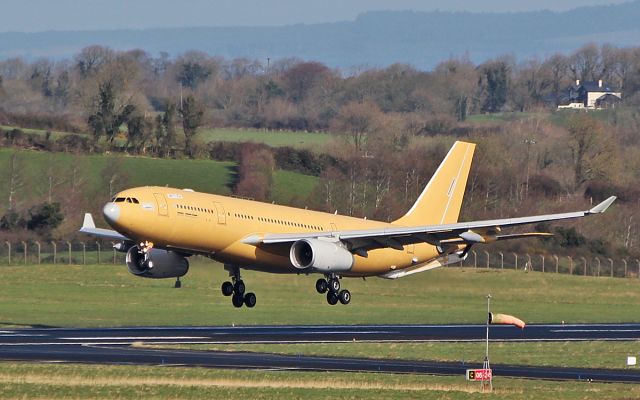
(25, 380)
(107, 295)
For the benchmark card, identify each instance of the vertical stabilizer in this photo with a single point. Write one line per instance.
(440, 201)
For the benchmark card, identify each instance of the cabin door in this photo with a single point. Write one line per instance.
(163, 210)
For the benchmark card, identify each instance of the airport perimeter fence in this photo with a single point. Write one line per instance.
(59, 253)
(97, 252)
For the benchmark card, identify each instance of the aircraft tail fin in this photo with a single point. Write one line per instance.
(441, 199)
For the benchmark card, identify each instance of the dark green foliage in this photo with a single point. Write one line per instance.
(273, 90)
(108, 117)
(569, 237)
(191, 74)
(44, 218)
(496, 75)
(191, 114)
(166, 131)
(139, 132)
(12, 220)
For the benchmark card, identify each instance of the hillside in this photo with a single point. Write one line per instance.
(376, 38)
(84, 181)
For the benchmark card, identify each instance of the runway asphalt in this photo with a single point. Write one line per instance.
(112, 346)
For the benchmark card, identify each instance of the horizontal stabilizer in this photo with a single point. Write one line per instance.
(89, 227)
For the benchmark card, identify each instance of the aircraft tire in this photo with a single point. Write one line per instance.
(227, 288)
(344, 297)
(332, 298)
(334, 285)
(322, 286)
(239, 287)
(237, 300)
(250, 300)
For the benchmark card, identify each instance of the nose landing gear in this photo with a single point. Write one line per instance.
(331, 286)
(236, 289)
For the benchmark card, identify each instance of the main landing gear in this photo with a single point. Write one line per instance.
(331, 286)
(236, 289)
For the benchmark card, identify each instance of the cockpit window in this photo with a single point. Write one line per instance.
(119, 200)
(134, 200)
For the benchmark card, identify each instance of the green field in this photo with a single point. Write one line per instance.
(108, 295)
(270, 138)
(92, 171)
(299, 139)
(24, 380)
(54, 134)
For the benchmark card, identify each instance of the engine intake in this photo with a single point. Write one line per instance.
(159, 263)
(320, 255)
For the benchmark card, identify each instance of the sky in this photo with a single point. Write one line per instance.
(45, 15)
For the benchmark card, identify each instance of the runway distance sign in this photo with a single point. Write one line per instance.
(479, 374)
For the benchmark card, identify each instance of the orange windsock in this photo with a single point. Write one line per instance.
(504, 319)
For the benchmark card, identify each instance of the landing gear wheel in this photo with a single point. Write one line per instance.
(227, 288)
(334, 285)
(178, 284)
(237, 300)
(332, 298)
(239, 287)
(322, 285)
(250, 300)
(345, 297)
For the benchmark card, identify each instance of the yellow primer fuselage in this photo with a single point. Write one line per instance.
(215, 226)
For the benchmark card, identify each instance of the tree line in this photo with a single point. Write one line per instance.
(392, 127)
(100, 89)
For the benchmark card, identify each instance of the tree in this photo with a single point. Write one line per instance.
(586, 63)
(591, 151)
(165, 131)
(255, 172)
(302, 77)
(357, 120)
(139, 131)
(108, 116)
(555, 72)
(44, 218)
(91, 59)
(191, 114)
(496, 81)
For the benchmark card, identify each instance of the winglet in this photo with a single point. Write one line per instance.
(88, 221)
(602, 207)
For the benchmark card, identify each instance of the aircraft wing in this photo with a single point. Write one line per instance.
(457, 233)
(89, 227)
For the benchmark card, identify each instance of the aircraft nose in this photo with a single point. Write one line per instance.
(111, 213)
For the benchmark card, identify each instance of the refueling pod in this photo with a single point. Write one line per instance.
(320, 255)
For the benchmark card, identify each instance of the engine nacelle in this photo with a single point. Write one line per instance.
(320, 255)
(158, 264)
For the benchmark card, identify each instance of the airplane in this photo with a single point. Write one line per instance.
(160, 227)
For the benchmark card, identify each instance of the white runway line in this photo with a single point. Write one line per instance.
(136, 338)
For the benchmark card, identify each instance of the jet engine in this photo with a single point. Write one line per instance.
(156, 263)
(320, 255)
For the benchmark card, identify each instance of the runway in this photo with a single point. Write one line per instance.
(113, 346)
